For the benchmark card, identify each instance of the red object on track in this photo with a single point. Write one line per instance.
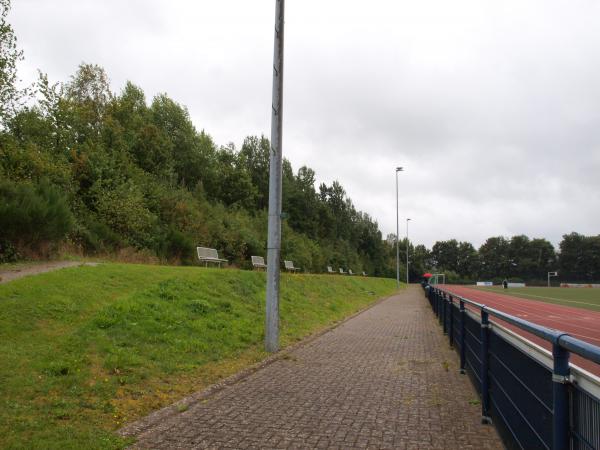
(427, 275)
(580, 323)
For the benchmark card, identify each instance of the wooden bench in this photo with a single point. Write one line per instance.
(330, 269)
(258, 262)
(209, 255)
(342, 271)
(289, 266)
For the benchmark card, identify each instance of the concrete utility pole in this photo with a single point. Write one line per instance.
(274, 239)
(398, 169)
(407, 247)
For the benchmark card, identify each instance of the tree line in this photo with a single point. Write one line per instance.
(518, 258)
(103, 172)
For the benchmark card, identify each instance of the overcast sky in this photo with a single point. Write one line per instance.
(493, 108)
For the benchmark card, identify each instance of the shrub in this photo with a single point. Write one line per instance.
(179, 246)
(32, 215)
(123, 209)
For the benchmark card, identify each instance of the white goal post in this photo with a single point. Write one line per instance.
(435, 278)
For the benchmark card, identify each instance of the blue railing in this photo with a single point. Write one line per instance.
(536, 400)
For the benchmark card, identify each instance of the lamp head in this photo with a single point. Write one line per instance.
(399, 169)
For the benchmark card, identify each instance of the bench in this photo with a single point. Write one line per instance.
(364, 274)
(258, 262)
(289, 266)
(350, 272)
(330, 269)
(209, 255)
(342, 271)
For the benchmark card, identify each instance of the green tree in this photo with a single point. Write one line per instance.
(467, 260)
(445, 255)
(580, 258)
(88, 92)
(254, 156)
(494, 256)
(32, 214)
(10, 95)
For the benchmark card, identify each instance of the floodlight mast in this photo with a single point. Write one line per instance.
(398, 169)
(407, 248)
(275, 163)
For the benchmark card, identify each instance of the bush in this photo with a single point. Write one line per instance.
(32, 215)
(179, 246)
(8, 252)
(123, 209)
(96, 237)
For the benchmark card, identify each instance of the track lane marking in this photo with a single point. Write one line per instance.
(518, 305)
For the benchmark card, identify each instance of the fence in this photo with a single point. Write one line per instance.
(535, 398)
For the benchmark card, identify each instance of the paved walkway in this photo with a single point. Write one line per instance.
(384, 379)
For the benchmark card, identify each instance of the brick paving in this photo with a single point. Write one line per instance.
(384, 379)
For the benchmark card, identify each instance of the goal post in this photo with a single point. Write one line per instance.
(436, 277)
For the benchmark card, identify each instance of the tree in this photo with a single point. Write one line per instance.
(254, 156)
(444, 255)
(10, 95)
(420, 261)
(89, 93)
(580, 258)
(302, 203)
(467, 260)
(193, 154)
(494, 257)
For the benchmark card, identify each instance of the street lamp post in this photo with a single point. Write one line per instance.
(398, 169)
(407, 247)
(275, 183)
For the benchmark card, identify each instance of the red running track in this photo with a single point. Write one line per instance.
(580, 323)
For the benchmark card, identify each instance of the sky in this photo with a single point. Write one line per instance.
(491, 107)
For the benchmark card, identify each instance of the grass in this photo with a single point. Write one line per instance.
(586, 298)
(85, 350)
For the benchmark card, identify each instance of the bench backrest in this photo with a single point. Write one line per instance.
(329, 269)
(289, 264)
(350, 272)
(207, 253)
(258, 260)
(342, 270)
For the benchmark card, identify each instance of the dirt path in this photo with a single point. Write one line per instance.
(10, 274)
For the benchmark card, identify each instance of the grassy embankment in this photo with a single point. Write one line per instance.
(586, 298)
(85, 350)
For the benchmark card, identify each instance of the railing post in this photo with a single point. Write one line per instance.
(485, 389)
(444, 315)
(462, 337)
(560, 397)
(451, 322)
(441, 306)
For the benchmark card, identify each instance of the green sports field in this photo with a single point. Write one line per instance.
(587, 298)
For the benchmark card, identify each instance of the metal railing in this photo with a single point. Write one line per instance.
(536, 399)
